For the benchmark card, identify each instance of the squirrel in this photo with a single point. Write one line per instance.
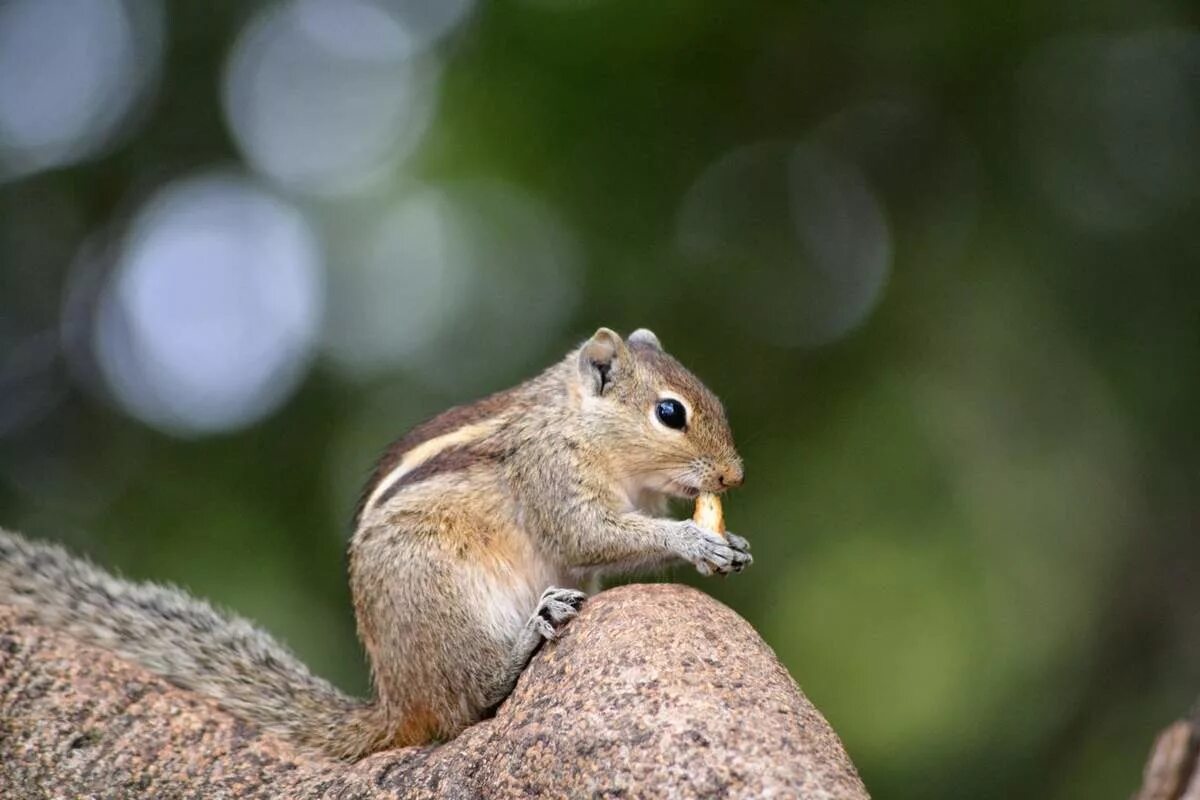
(475, 540)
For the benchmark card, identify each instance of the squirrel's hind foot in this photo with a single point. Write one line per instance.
(555, 609)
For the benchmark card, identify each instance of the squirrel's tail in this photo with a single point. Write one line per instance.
(186, 641)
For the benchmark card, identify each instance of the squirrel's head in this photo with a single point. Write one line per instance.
(657, 424)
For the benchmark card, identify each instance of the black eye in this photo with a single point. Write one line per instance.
(671, 413)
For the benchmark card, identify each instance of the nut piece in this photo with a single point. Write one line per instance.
(708, 513)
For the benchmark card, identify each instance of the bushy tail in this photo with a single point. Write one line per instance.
(186, 641)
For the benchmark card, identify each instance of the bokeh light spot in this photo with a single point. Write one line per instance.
(70, 72)
(1112, 124)
(803, 227)
(400, 286)
(209, 319)
(328, 96)
(454, 283)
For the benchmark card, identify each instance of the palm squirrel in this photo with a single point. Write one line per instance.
(474, 540)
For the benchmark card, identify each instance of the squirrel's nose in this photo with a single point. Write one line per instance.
(731, 476)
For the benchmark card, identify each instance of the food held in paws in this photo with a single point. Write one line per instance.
(708, 513)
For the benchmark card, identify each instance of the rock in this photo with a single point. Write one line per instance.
(654, 691)
(1172, 771)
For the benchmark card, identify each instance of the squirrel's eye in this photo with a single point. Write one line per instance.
(671, 413)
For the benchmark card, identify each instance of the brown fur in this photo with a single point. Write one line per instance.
(455, 560)
(449, 420)
(456, 459)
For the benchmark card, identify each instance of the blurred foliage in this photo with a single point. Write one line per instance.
(940, 262)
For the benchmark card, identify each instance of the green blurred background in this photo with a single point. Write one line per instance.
(940, 262)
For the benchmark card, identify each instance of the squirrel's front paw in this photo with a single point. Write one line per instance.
(556, 608)
(738, 543)
(713, 552)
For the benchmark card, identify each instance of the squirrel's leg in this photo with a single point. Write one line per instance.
(555, 609)
(438, 624)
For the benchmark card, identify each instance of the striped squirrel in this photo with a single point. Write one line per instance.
(474, 541)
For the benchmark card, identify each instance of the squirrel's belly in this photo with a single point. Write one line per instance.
(507, 594)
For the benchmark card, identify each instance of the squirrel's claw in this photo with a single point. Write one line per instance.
(555, 609)
(711, 552)
(737, 542)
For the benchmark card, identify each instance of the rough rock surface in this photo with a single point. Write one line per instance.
(654, 691)
(1173, 770)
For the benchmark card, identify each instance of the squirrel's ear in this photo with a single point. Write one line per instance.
(645, 336)
(600, 361)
